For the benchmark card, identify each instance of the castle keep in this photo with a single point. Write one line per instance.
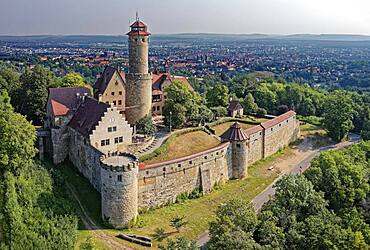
(95, 133)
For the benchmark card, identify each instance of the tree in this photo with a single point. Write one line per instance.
(249, 104)
(175, 114)
(344, 182)
(9, 81)
(365, 132)
(34, 93)
(265, 98)
(146, 126)
(338, 115)
(178, 222)
(17, 138)
(159, 234)
(219, 111)
(181, 104)
(218, 96)
(180, 243)
(88, 244)
(282, 109)
(234, 226)
(72, 80)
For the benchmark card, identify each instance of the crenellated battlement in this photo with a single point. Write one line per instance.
(123, 162)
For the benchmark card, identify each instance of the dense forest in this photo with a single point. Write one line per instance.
(35, 212)
(326, 208)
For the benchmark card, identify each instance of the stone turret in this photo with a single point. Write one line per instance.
(139, 80)
(119, 189)
(239, 150)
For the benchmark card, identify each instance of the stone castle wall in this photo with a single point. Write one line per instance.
(125, 190)
(60, 143)
(255, 145)
(280, 135)
(161, 183)
(119, 193)
(85, 158)
(138, 96)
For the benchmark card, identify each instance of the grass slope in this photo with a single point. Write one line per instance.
(180, 145)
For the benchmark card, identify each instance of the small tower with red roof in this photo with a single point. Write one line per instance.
(239, 150)
(139, 80)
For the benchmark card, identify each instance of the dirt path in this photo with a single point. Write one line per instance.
(93, 228)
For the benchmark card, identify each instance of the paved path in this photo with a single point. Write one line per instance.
(160, 137)
(299, 167)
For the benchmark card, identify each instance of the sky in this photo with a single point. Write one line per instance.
(112, 17)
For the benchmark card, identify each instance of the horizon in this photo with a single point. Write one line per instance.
(197, 33)
(279, 17)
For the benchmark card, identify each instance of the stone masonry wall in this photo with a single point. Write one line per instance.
(119, 194)
(280, 135)
(60, 139)
(161, 183)
(85, 158)
(255, 147)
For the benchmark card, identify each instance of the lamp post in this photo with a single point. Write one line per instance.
(170, 121)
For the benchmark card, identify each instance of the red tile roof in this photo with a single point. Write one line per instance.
(138, 24)
(64, 99)
(253, 130)
(278, 119)
(58, 108)
(138, 33)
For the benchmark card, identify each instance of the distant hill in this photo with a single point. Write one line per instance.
(94, 39)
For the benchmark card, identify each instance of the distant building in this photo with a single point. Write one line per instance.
(160, 82)
(235, 109)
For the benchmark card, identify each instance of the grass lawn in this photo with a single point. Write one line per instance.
(221, 128)
(180, 145)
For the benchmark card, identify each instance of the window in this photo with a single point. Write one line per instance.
(116, 140)
(153, 109)
(179, 165)
(120, 139)
(119, 102)
(238, 145)
(120, 92)
(114, 129)
(158, 108)
(110, 129)
(112, 93)
(190, 162)
(107, 142)
(102, 143)
(114, 103)
(119, 178)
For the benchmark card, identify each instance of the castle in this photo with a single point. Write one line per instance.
(95, 131)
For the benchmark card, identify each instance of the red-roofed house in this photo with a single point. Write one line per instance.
(62, 102)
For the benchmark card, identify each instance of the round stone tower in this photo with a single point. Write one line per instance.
(119, 189)
(239, 150)
(139, 80)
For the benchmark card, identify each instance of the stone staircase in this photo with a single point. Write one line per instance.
(148, 148)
